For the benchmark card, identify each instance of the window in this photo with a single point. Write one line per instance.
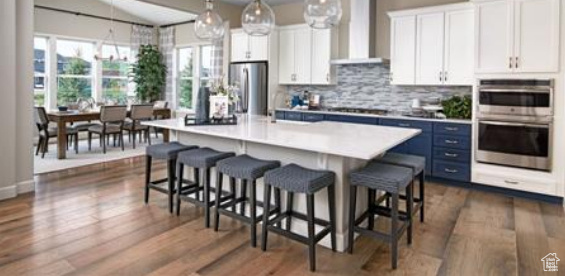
(194, 71)
(74, 70)
(39, 65)
(115, 85)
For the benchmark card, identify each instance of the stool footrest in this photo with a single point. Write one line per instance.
(246, 219)
(287, 233)
(160, 189)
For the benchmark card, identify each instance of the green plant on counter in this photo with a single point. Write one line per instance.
(458, 107)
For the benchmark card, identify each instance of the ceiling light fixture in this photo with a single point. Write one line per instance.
(110, 36)
(322, 14)
(209, 25)
(258, 18)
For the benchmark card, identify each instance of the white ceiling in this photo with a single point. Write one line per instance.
(270, 2)
(155, 14)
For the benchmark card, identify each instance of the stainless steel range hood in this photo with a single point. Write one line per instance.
(362, 34)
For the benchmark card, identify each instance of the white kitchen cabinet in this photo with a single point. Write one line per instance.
(248, 48)
(403, 50)
(286, 56)
(517, 36)
(302, 55)
(322, 71)
(458, 60)
(429, 48)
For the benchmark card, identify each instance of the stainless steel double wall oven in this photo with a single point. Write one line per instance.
(515, 123)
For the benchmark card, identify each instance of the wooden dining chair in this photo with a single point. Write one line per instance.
(112, 120)
(139, 113)
(159, 104)
(45, 132)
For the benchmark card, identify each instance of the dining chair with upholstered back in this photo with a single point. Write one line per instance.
(45, 132)
(159, 104)
(139, 113)
(112, 120)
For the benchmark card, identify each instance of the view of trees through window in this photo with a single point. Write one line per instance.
(188, 77)
(115, 84)
(74, 68)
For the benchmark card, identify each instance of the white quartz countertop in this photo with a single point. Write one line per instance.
(342, 139)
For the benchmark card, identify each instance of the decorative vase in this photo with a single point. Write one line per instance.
(203, 105)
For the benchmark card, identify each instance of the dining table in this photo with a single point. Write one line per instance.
(62, 118)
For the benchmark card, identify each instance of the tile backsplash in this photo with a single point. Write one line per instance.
(367, 86)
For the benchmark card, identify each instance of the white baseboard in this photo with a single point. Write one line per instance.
(8, 192)
(26, 186)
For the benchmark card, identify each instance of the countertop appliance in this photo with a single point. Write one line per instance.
(252, 80)
(515, 123)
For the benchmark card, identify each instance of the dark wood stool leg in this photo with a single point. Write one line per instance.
(371, 200)
(253, 212)
(311, 237)
(331, 203)
(409, 206)
(352, 204)
(233, 193)
(180, 173)
(266, 211)
(289, 203)
(171, 179)
(243, 195)
(197, 182)
(422, 201)
(147, 176)
(278, 204)
(206, 183)
(394, 231)
(219, 185)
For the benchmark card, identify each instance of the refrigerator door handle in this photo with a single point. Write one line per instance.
(245, 99)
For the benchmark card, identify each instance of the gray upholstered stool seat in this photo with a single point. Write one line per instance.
(383, 177)
(168, 150)
(417, 163)
(202, 157)
(246, 167)
(296, 179)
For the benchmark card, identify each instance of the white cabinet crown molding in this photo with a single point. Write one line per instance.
(432, 9)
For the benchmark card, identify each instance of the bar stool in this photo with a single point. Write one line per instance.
(390, 179)
(418, 165)
(295, 179)
(199, 159)
(168, 152)
(247, 169)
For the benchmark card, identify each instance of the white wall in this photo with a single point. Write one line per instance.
(16, 17)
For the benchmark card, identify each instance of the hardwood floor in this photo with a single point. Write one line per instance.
(92, 221)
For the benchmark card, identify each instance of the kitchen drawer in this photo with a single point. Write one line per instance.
(293, 116)
(352, 119)
(452, 155)
(452, 129)
(312, 117)
(451, 170)
(279, 115)
(423, 125)
(451, 141)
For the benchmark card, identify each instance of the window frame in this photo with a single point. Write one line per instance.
(131, 88)
(92, 76)
(196, 73)
(44, 75)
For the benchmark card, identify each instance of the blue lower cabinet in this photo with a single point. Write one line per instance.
(452, 129)
(402, 148)
(352, 119)
(451, 141)
(279, 115)
(421, 145)
(293, 116)
(312, 117)
(451, 170)
(423, 125)
(452, 155)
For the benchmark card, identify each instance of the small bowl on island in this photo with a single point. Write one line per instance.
(63, 108)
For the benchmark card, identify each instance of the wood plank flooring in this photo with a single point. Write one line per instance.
(92, 221)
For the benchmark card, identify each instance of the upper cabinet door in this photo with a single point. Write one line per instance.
(303, 55)
(258, 47)
(239, 46)
(321, 55)
(403, 50)
(494, 38)
(536, 32)
(286, 56)
(459, 47)
(429, 49)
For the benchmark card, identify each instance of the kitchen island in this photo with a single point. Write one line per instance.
(340, 147)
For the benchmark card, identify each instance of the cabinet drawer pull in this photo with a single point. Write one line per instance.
(450, 170)
(404, 125)
(454, 142)
(510, 62)
(451, 128)
(511, 182)
(454, 155)
(516, 65)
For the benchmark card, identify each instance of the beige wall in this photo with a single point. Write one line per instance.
(383, 21)
(57, 23)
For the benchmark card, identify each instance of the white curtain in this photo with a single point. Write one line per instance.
(167, 47)
(140, 35)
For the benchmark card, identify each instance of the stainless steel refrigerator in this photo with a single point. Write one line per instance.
(252, 80)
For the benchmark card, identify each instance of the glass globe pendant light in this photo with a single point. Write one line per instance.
(209, 25)
(258, 18)
(322, 14)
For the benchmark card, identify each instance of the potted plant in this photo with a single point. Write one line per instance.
(458, 107)
(149, 74)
